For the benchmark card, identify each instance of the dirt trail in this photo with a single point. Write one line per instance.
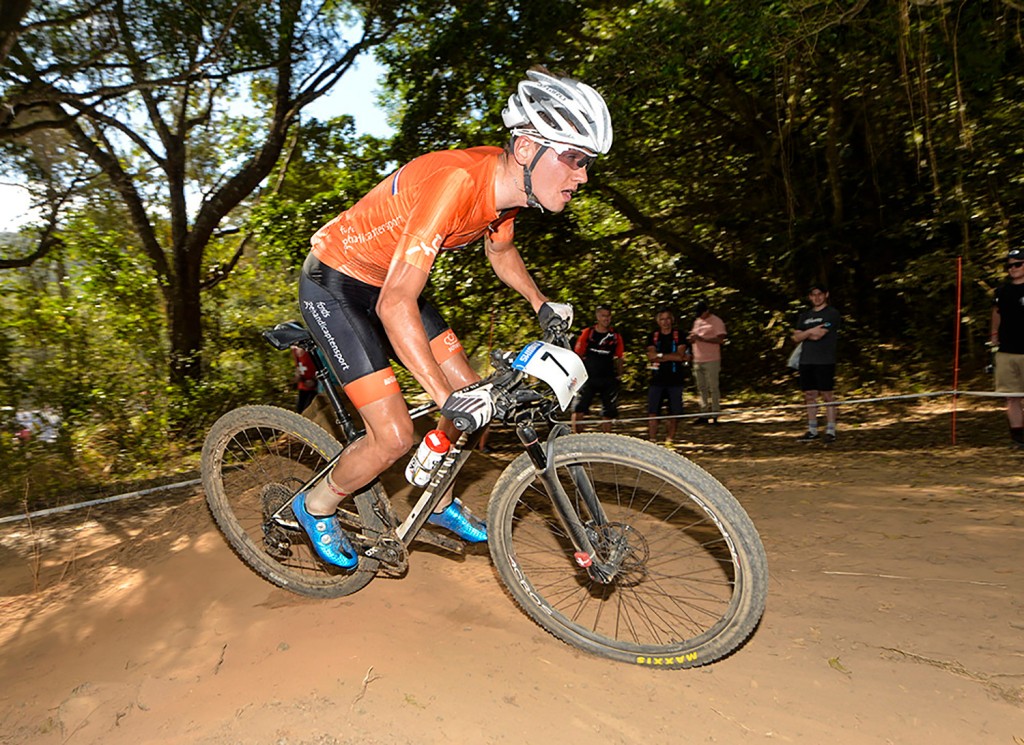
(895, 615)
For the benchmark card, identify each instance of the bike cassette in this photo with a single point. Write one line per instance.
(276, 539)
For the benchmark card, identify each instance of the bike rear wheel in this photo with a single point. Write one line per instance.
(693, 578)
(254, 460)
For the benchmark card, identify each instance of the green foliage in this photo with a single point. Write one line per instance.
(758, 147)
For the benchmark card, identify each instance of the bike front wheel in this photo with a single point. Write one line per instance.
(691, 575)
(255, 459)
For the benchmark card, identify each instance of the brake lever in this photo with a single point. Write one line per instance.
(557, 334)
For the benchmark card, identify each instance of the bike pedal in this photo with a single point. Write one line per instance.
(426, 535)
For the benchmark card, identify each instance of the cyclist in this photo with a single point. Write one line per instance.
(361, 285)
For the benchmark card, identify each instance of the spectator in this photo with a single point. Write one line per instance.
(602, 350)
(817, 330)
(39, 424)
(1008, 333)
(305, 378)
(705, 340)
(667, 356)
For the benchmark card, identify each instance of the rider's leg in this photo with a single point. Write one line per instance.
(450, 512)
(459, 374)
(389, 435)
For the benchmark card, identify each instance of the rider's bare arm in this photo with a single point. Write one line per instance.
(509, 266)
(398, 309)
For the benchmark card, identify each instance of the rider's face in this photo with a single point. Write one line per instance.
(556, 178)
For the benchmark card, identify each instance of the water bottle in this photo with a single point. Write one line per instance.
(428, 456)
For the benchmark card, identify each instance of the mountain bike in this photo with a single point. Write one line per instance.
(612, 544)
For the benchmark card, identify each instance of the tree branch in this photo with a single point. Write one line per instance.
(122, 183)
(699, 259)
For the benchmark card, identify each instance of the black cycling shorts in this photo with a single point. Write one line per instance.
(340, 313)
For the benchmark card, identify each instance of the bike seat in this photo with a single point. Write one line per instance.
(284, 335)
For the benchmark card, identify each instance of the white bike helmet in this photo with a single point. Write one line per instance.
(559, 109)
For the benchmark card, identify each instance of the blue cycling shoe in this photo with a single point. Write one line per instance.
(458, 519)
(329, 540)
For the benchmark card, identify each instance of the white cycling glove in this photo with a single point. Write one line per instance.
(469, 410)
(552, 313)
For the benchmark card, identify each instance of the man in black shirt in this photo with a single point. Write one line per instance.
(1008, 333)
(667, 355)
(816, 330)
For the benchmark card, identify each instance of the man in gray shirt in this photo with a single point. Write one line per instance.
(817, 331)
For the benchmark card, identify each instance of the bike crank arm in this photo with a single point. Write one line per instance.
(585, 555)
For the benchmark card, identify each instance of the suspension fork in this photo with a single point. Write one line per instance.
(543, 460)
(580, 479)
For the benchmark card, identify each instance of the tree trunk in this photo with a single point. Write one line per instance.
(185, 318)
(832, 150)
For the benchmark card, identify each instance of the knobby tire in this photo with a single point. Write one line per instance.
(693, 584)
(254, 459)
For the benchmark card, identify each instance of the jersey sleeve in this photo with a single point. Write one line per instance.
(503, 229)
(620, 346)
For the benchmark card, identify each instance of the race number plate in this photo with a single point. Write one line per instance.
(560, 368)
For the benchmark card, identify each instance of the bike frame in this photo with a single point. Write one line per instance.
(443, 478)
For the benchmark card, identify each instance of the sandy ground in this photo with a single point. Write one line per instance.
(894, 616)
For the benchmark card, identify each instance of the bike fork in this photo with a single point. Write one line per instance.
(585, 555)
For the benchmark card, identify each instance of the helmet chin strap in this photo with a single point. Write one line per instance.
(531, 200)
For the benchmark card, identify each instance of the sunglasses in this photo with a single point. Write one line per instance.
(1015, 265)
(567, 154)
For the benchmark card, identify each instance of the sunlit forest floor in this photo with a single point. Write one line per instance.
(894, 615)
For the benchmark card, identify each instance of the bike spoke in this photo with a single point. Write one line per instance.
(676, 583)
(259, 458)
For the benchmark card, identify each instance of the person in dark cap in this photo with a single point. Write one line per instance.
(1008, 334)
(817, 331)
(706, 338)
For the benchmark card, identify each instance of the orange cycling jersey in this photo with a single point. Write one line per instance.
(439, 201)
